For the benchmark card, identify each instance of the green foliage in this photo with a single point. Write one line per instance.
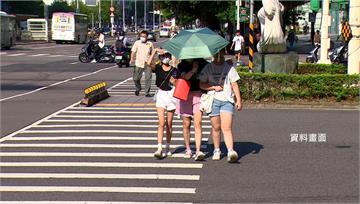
(59, 6)
(321, 69)
(258, 86)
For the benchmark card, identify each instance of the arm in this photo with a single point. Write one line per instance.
(188, 75)
(236, 90)
(232, 45)
(206, 86)
(150, 61)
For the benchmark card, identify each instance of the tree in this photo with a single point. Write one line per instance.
(59, 6)
(23, 7)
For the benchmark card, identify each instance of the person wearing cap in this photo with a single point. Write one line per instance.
(165, 102)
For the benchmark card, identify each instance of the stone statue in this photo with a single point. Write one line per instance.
(272, 37)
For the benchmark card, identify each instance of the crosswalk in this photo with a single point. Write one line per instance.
(29, 54)
(98, 153)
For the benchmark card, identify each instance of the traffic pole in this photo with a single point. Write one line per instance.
(325, 40)
(251, 37)
(354, 44)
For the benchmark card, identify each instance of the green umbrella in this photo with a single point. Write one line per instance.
(198, 43)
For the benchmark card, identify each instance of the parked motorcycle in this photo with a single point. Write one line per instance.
(339, 54)
(313, 57)
(106, 54)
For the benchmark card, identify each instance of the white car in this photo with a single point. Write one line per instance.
(164, 32)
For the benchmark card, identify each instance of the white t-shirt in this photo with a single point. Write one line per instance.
(220, 75)
(101, 40)
(238, 41)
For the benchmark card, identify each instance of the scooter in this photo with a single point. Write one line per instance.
(123, 57)
(313, 57)
(339, 54)
(106, 55)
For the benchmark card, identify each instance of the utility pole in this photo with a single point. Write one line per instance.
(153, 17)
(99, 13)
(325, 40)
(145, 14)
(354, 44)
(92, 20)
(112, 17)
(135, 18)
(238, 4)
(77, 6)
(123, 14)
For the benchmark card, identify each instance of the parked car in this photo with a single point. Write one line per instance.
(164, 32)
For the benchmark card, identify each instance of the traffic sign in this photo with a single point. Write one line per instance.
(112, 9)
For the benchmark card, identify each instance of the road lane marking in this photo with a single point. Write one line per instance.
(124, 104)
(107, 116)
(18, 54)
(113, 112)
(99, 176)
(112, 108)
(83, 154)
(30, 138)
(114, 121)
(102, 164)
(74, 63)
(53, 56)
(57, 83)
(38, 55)
(112, 146)
(36, 123)
(109, 125)
(96, 189)
(101, 131)
(85, 202)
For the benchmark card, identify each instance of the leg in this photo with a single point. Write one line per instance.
(137, 77)
(161, 117)
(148, 75)
(198, 129)
(169, 120)
(216, 131)
(186, 131)
(226, 125)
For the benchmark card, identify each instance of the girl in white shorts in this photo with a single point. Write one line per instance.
(165, 102)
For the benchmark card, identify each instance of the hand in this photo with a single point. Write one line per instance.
(218, 88)
(195, 67)
(238, 105)
(132, 61)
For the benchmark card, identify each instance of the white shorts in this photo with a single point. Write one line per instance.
(165, 99)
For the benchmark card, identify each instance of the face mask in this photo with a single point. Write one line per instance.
(166, 60)
(143, 39)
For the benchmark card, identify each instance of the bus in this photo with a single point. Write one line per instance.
(8, 30)
(69, 27)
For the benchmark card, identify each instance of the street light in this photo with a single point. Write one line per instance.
(145, 14)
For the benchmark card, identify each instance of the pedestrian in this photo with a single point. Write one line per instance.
(291, 37)
(100, 44)
(190, 109)
(221, 79)
(140, 53)
(165, 102)
(238, 44)
(317, 38)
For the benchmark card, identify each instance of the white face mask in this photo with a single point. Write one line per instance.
(143, 39)
(166, 60)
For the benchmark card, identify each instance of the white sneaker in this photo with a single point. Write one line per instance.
(93, 61)
(232, 156)
(158, 154)
(199, 156)
(188, 154)
(167, 151)
(216, 155)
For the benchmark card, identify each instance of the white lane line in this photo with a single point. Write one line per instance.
(114, 112)
(100, 131)
(112, 108)
(107, 116)
(109, 125)
(56, 46)
(53, 56)
(102, 164)
(18, 54)
(114, 121)
(96, 189)
(85, 202)
(82, 154)
(3, 53)
(114, 146)
(29, 138)
(100, 176)
(73, 56)
(74, 63)
(38, 55)
(57, 83)
(36, 123)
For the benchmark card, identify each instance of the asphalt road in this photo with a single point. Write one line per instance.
(271, 167)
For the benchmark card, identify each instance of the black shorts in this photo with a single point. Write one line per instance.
(237, 52)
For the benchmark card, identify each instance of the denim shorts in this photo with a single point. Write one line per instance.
(221, 106)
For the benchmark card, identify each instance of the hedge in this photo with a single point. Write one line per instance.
(258, 86)
(308, 68)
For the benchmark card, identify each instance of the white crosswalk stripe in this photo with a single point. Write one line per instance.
(75, 142)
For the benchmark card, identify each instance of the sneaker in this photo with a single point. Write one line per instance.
(158, 154)
(188, 154)
(137, 92)
(93, 61)
(167, 151)
(232, 156)
(149, 95)
(216, 155)
(199, 156)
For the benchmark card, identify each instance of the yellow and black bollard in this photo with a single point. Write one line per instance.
(94, 94)
(251, 47)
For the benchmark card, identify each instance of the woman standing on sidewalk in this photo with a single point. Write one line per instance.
(190, 109)
(165, 102)
(222, 78)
